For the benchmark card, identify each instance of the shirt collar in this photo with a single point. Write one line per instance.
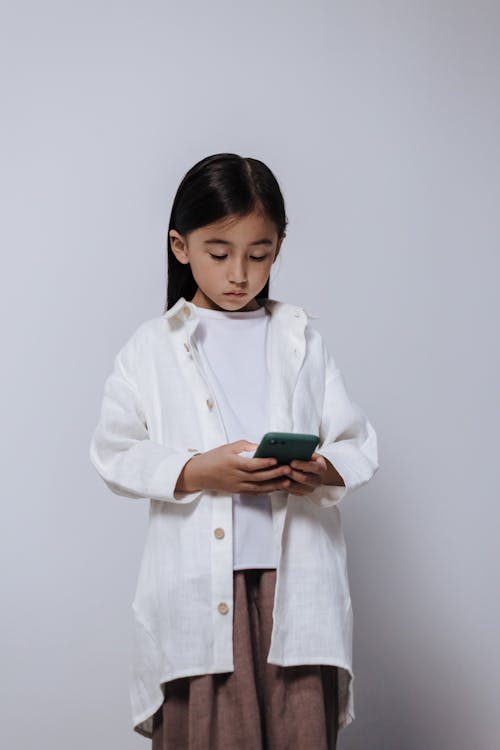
(184, 308)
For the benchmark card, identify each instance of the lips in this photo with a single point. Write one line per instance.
(235, 294)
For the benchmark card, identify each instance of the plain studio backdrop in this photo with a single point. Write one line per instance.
(381, 122)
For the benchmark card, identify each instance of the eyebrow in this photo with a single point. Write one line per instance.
(215, 241)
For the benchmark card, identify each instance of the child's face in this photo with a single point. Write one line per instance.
(229, 255)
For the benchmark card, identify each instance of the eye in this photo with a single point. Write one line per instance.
(252, 257)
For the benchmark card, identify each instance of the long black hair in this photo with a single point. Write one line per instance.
(217, 187)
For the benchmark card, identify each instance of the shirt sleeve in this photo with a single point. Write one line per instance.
(347, 439)
(129, 462)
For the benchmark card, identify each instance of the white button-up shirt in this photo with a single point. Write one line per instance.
(157, 411)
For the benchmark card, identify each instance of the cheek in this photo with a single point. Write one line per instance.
(205, 269)
(263, 269)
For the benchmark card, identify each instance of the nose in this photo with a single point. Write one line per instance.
(238, 272)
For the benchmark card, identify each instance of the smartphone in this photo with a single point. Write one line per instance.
(287, 446)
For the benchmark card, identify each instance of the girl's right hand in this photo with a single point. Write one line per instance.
(223, 470)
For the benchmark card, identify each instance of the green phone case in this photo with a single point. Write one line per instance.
(287, 446)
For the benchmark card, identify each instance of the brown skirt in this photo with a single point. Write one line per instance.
(259, 706)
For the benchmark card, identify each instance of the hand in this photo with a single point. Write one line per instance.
(307, 475)
(223, 470)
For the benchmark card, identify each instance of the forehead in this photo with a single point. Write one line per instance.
(237, 225)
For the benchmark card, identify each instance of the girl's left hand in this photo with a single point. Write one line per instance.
(305, 476)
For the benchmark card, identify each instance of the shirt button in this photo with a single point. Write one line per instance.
(186, 310)
(210, 403)
(223, 608)
(219, 533)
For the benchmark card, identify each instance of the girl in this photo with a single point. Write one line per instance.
(242, 611)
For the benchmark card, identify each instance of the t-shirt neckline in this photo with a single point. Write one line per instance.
(206, 312)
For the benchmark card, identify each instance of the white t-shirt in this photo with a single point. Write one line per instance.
(232, 347)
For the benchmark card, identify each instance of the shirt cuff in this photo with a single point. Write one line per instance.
(327, 495)
(166, 476)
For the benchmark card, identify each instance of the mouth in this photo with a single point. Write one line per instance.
(235, 294)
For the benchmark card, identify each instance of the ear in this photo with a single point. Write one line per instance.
(279, 245)
(178, 246)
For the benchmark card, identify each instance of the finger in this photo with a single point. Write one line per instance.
(255, 464)
(276, 472)
(310, 467)
(263, 488)
(299, 477)
(305, 480)
(297, 488)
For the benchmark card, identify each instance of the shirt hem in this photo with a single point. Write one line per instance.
(143, 723)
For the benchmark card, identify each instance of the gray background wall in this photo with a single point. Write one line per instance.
(381, 121)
